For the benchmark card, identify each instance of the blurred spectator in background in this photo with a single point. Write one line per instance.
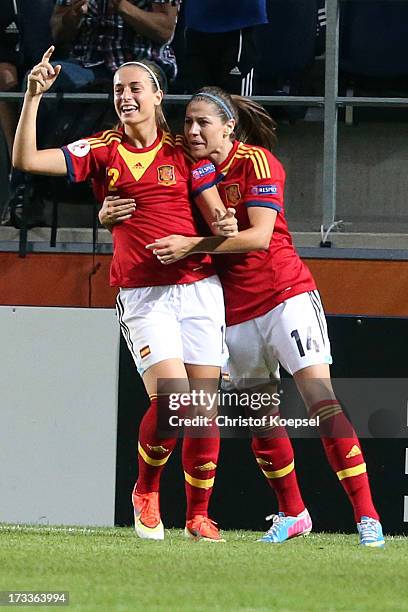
(24, 36)
(9, 68)
(321, 28)
(34, 24)
(100, 35)
(219, 43)
(34, 37)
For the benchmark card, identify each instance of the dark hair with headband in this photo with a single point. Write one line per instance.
(253, 124)
(157, 80)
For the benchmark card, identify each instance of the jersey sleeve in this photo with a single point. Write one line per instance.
(81, 159)
(265, 183)
(203, 176)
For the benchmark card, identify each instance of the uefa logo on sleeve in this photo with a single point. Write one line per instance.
(79, 148)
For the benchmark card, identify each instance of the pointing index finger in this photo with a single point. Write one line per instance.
(48, 53)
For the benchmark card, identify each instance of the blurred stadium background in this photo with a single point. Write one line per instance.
(70, 392)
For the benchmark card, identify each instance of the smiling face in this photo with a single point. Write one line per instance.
(135, 96)
(206, 131)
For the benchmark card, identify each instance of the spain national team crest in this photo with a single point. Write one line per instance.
(166, 175)
(233, 193)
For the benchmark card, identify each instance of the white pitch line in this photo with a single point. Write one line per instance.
(53, 528)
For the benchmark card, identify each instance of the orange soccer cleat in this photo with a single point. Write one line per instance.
(202, 528)
(148, 524)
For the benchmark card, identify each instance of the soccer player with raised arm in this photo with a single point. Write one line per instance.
(172, 318)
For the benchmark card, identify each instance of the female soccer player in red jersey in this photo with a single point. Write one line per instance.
(172, 318)
(273, 309)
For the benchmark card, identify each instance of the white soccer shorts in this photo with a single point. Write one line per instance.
(293, 334)
(184, 321)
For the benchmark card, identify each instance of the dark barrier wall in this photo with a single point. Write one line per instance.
(362, 347)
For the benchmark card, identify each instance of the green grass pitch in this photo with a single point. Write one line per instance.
(110, 569)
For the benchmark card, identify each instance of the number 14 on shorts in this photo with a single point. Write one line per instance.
(310, 343)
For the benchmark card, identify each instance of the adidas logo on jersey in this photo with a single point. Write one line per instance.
(138, 165)
(354, 452)
(235, 71)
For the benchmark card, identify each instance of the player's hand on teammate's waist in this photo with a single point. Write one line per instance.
(116, 210)
(171, 248)
(226, 223)
(43, 75)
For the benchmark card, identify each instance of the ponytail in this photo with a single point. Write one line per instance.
(255, 126)
(161, 120)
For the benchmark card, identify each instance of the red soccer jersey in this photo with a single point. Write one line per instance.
(257, 281)
(158, 178)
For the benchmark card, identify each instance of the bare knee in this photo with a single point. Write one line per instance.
(314, 384)
(204, 381)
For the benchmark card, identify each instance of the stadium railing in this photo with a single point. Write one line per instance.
(330, 102)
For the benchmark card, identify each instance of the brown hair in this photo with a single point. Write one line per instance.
(253, 124)
(161, 120)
